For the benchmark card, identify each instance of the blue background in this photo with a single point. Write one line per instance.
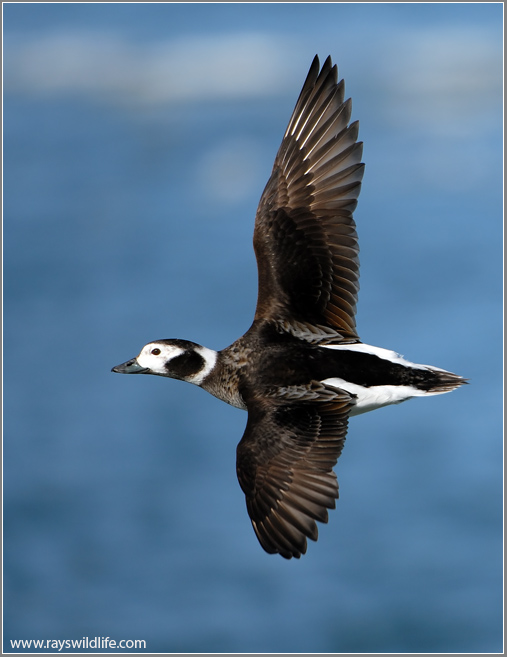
(138, 139)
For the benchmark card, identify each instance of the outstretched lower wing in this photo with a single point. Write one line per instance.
(284, 463)
(305, 238)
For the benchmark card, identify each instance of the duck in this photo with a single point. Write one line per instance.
(300, 371)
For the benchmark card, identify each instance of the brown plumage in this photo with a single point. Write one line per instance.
(305, 237)
(285, 464)
(306, 246)
(300, 370)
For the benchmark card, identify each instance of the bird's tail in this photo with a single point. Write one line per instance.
(440, 381)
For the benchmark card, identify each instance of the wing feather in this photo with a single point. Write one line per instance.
(305, 238)
(285, 460)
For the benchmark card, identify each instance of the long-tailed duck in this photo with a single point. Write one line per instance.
(300, 370)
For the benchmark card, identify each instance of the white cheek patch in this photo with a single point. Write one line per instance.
(156, 362)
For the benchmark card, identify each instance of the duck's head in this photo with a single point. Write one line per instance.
(176, 359)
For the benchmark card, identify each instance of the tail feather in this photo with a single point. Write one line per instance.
(443, 381)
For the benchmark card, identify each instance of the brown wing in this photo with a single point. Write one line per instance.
(305, 238)
(285, 461)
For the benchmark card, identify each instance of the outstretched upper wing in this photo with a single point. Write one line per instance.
(305, 238)
(284, 463)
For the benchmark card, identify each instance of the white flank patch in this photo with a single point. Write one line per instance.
(385, 354)
(372, 397)
(369, 399)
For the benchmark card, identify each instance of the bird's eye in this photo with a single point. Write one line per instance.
(155, 352)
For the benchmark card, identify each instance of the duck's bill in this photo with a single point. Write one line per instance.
(130, 367)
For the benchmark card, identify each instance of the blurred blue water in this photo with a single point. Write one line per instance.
(128, 217)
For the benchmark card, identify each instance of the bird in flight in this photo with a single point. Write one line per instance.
(300, 371)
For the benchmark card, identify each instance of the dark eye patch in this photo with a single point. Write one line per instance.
(185, 365)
